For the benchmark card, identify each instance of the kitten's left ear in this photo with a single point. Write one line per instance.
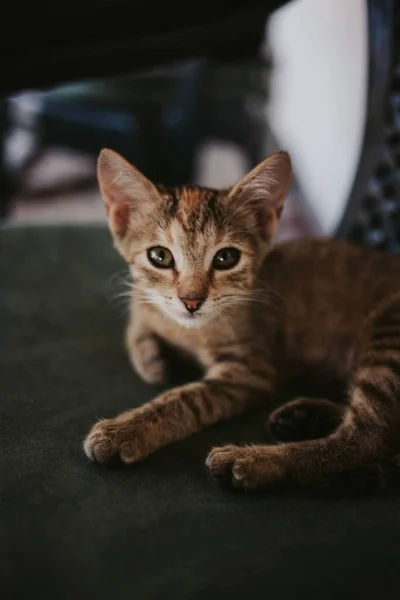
(263, 191)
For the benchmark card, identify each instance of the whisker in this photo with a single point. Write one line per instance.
(261, 297)
(243, 299)
(118, 276)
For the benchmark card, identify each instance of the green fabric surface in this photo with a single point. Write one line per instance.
(161, 529)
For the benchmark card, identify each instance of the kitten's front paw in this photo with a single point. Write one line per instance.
(247, 467)
(146, 357)
(112, 440)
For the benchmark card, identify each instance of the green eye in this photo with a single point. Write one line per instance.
(161, 257)
(226, 258)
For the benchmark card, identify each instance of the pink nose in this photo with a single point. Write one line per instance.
(192, 304)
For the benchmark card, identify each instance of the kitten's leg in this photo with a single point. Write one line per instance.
(304, 419)
(226, 391)
(368, 434)
(145, 352)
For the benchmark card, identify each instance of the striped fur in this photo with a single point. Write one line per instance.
(316, 311)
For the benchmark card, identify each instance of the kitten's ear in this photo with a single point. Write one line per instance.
(124, 189)
(263, 191)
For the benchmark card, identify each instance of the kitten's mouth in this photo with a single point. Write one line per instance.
(196, 319)
(192, 316)
(184, 318)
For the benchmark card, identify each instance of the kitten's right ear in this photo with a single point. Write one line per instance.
(124, 189)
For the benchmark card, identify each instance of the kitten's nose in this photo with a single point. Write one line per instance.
(192, 304)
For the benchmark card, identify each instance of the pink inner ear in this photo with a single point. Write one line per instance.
(267, 221)
(119, 216)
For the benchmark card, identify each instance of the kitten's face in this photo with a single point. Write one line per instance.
(194, 252)
(193, 262)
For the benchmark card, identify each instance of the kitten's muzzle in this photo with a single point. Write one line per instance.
(193, 303)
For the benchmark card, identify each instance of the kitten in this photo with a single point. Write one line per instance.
(258, 319)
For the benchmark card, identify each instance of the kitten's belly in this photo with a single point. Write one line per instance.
(319, 361)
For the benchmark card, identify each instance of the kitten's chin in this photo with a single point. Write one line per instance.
(184, 319)
(192, 321)
(188, 321)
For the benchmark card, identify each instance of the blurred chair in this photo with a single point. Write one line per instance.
(115, 44)
(156, 119)
(217, 30)
(372, 215)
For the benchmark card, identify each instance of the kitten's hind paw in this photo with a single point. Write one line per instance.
(304, 419)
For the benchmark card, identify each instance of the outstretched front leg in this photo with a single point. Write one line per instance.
(227, 390)
(368, 435)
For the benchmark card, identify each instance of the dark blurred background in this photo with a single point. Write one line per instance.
(208, 119)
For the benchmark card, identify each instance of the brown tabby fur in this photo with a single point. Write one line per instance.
(317, 310)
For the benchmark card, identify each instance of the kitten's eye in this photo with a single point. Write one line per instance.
(226, 258)
(161, 257)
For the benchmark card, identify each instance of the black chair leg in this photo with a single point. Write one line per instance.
(372, 217)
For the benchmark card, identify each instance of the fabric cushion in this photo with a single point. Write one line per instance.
(161, 529)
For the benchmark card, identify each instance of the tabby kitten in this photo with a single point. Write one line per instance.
(258, 319)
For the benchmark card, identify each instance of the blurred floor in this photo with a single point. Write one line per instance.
(61, 187)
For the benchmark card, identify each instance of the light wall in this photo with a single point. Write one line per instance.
(318, 96)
